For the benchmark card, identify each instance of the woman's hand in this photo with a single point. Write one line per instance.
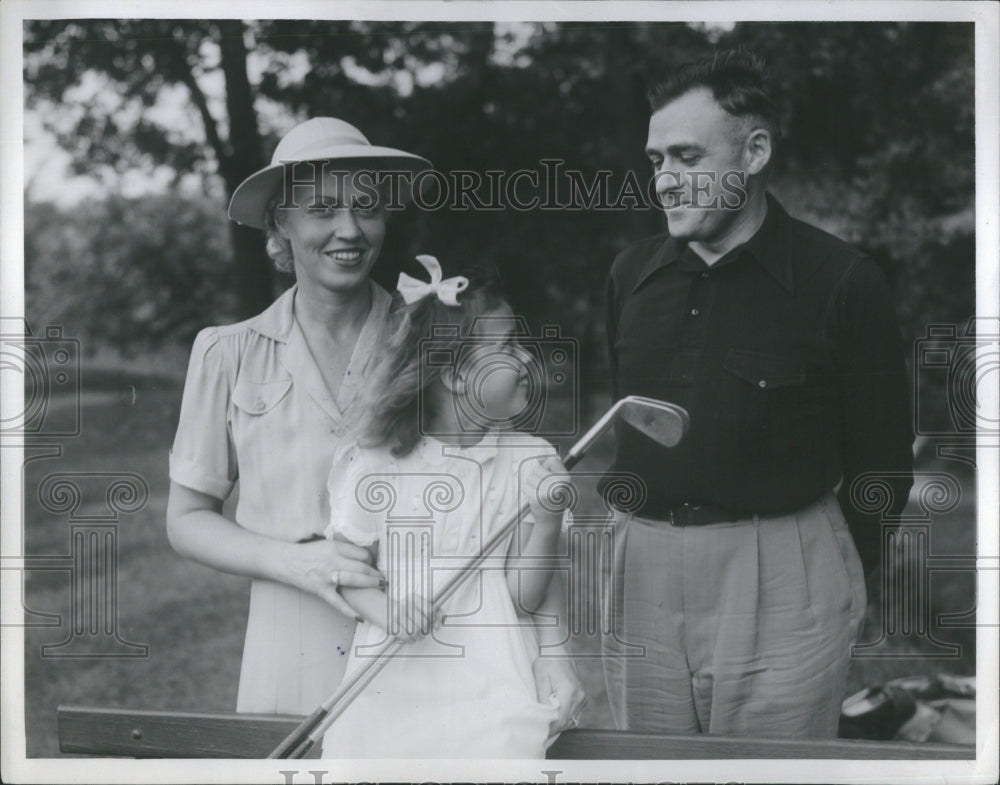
(322, 566)
(556, 682)
(548, 489)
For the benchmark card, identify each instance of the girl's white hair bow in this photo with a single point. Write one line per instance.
(447, 290)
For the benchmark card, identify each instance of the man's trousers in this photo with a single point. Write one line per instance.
(740, 628)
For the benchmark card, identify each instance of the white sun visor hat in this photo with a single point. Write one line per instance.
(318, 139)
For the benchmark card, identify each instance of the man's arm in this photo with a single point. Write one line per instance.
(876, 435)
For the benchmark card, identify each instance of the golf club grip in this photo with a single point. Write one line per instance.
(349, 689)
(302, 750)
(291, 744)
(293, 739)
(359, 681)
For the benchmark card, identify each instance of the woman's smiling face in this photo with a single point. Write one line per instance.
(336, 232)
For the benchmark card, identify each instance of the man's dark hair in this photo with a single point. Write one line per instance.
(738, 79)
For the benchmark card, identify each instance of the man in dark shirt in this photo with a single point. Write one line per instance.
(738, 587)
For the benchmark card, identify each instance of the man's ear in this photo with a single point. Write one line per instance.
(452, 380)
(757, 150)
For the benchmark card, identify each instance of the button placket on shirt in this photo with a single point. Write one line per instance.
(693, 334)
(694, 327)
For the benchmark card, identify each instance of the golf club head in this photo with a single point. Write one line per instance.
(665, 423)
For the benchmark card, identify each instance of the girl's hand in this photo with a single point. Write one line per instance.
(548, 489)
(556, 682)
(322, 566)
(410, 617)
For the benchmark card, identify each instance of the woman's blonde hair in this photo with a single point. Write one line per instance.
(279, 247)
(397, 403)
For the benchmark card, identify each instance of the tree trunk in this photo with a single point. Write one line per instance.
(253, 271)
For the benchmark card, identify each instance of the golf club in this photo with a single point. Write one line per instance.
(663, 422)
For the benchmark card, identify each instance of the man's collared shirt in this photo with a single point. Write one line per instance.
(786, 355)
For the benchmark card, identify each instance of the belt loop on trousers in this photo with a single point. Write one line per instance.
(756, 519)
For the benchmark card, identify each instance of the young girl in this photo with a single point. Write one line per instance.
(428, 481)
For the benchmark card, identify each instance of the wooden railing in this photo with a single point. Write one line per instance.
(163, 734)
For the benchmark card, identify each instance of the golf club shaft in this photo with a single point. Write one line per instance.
(361, 679)
(302, 739)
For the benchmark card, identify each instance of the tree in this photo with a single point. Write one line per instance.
(872, 111)
(100, 80)
(134, 62)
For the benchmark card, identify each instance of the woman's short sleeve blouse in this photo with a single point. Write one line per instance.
(202, 458)
(256, 409)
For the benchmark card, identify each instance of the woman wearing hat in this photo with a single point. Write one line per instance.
(267, 402)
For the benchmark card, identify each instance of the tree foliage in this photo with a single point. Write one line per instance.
(129, 273)
(877, 147)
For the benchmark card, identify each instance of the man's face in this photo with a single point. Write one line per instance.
(693, 143)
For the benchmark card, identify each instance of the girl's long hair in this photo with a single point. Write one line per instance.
(398, 398)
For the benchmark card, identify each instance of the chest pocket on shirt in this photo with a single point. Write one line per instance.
(258, 398)
(764, 391)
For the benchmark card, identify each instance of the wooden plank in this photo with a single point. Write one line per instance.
(583, 744)
(168, 734)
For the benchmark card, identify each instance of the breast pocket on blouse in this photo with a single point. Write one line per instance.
(762, 389)
(255, 402)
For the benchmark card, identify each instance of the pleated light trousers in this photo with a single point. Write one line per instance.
(740, 628)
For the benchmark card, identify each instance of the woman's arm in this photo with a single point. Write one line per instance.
(407, 620)
(196, 529)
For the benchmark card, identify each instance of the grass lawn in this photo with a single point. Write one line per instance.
(192, 619)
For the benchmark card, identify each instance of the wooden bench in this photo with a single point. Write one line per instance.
(169, 734)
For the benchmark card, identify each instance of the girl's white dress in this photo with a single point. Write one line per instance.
(467, 690)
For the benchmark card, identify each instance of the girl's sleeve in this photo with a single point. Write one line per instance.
(202, 457)
(351, 512)
(546, 449)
